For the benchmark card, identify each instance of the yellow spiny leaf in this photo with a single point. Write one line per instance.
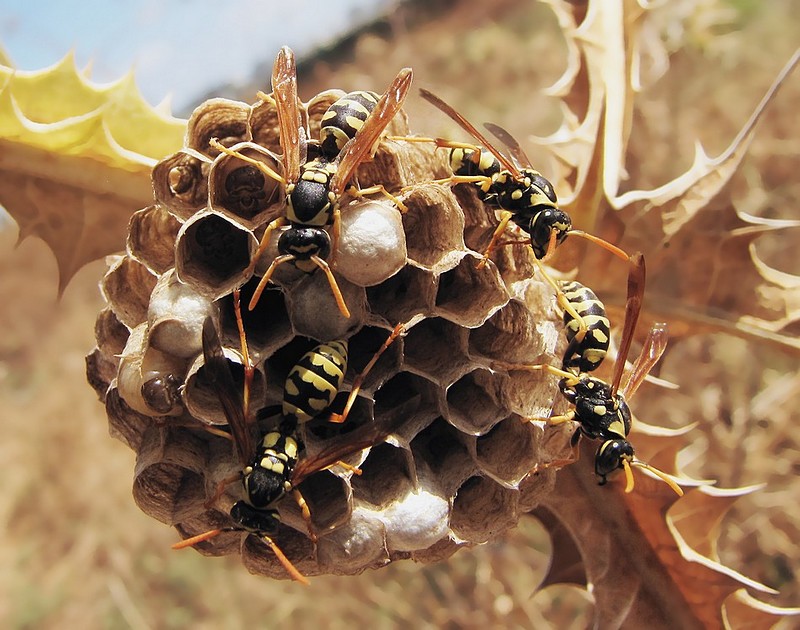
(75, 158)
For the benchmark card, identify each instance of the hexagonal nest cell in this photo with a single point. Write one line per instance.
(449, 460)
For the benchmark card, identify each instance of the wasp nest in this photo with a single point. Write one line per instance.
(459, 465)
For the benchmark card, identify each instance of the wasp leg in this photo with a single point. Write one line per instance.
(249, 371)
(274, 225)
(441, 143)
(352, 469)
(218, 432)
(220, 489)
(192, 541)
(448, 181)
(305, 511)
(267, 275)
(374, 190)
(216, 144)
(359, 381)
(506, 216)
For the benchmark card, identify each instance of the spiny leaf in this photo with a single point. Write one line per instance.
(699, 246)
(634, 551)
(744, 612)
(651, 559)
(75, 159)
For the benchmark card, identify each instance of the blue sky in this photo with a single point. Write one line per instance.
(182, 48)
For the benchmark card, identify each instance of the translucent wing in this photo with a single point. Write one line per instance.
(511, 143)
(290, 121)
(230, 396)
(343, 447)
(654, 347)
(356, 149)
(633, 306)
(471, 130)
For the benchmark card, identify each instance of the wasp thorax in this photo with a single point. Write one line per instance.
(448, 460)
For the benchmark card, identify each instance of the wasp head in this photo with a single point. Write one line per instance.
(610, 456)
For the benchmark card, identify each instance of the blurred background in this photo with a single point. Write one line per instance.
(77, 550)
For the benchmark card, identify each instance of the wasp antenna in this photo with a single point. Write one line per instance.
(191, 542)
(661, 475)
(265, 279)
(337, 294)
(628, 476)
(287, 564)
(619, 253)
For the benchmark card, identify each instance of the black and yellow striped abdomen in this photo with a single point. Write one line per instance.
(343, 119)
(588, 353)
(314, 381)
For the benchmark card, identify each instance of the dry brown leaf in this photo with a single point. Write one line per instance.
(697, 286)
(743, 612)
(650, 559)
(637, 561)
(75, 159)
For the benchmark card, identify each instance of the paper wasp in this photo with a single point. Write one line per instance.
(509, 184)
(315, 188)
(273, 467)
(602, 408)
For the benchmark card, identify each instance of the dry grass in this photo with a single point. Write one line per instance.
(76, 549)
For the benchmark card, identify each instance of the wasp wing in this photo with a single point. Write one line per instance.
(357, 148)
(290, 121)
(654, 347)
(341, 448)
(633, 306)
(219, 375)
(511, 143)
(471, 130)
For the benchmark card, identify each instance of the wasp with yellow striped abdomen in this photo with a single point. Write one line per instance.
(512, 185)
(315, 189)
(600, 408)
(273, 467)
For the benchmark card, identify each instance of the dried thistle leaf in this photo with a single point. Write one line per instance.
(634, 552)
(608, 44)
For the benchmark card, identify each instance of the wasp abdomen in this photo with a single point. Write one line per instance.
(343, 119)
(314, 381)
(588, 353)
